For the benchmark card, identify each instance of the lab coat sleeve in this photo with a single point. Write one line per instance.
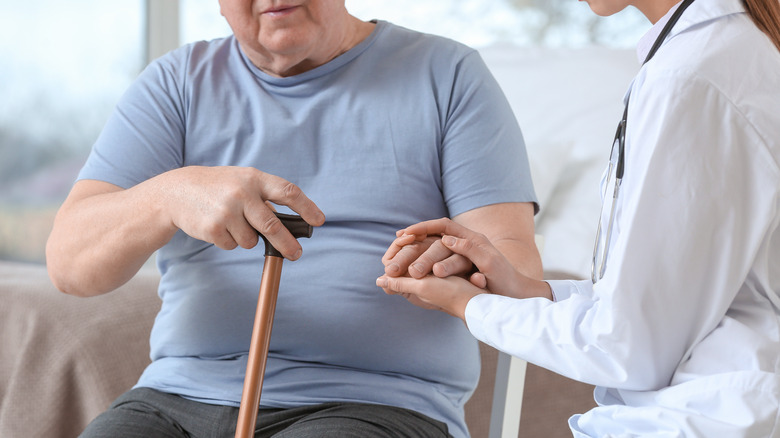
(689, 220)
(563, 289)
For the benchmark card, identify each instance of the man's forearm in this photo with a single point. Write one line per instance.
(510, 228)
(102, 236)
(523, 255)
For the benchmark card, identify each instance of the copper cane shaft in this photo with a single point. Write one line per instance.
(258, 348)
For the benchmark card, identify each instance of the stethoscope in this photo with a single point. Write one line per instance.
(617, 160)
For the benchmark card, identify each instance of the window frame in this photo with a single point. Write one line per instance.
(163, 22)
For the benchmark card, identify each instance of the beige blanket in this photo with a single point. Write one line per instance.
(64, 359)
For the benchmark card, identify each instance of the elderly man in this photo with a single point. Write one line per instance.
(305, 108)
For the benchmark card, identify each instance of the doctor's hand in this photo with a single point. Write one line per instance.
(495, 273)
(450, 294)
(228, 206)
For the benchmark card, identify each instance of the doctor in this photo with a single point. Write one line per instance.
(679, 326)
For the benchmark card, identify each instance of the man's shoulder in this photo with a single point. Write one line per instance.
(192, 55)
(196, 64)
(414, 40)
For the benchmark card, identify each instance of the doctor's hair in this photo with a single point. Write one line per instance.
(766, 16)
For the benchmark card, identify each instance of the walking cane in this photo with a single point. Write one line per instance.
(261, 331)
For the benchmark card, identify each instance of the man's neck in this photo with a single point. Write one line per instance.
(295, 63)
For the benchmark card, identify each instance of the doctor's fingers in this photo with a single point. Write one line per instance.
(425, 288)
(479, 250)
(450, 294)
(440, 227)
(496, 272)
(417, 301)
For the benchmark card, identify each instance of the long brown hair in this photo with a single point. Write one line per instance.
(766, 15)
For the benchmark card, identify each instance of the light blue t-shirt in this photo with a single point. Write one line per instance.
(404, 127)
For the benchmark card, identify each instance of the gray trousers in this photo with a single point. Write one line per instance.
(147, 413)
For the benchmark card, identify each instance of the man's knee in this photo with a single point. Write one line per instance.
(354, 420)
(131, 418)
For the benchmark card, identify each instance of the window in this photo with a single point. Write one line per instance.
(65, 64)
(201, 20)
(522, 22)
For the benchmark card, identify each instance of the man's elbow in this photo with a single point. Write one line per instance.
(72, 286)
(62, 282)
(63, 275)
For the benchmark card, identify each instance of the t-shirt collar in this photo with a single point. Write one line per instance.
(326, 68)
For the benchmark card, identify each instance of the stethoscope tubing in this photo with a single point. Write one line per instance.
(620, 138)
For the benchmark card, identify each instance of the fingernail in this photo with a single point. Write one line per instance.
(448, 240)
(297, 254)
(417, 267)
(392, 268)
(381, 282)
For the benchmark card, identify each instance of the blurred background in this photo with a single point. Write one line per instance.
(63, 66)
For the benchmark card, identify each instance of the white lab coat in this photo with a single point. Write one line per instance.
(682, 334)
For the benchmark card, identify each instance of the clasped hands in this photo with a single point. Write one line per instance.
(432, 264)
